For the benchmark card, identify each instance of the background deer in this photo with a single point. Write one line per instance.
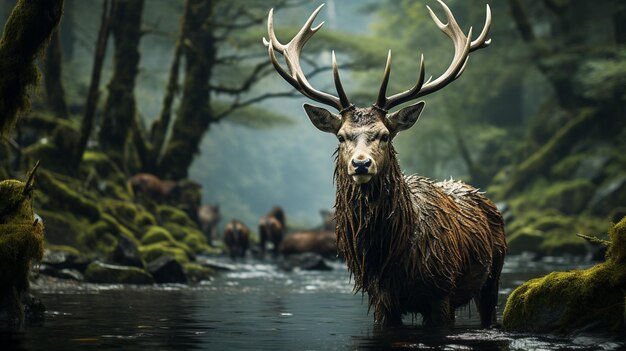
(413, 245)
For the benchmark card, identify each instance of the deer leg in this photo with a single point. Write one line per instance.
(384, 317)
(487, 300)
(441, 313)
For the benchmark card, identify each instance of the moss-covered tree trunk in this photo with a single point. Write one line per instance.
(120, 107)
(194, 116)
(93, 94)
(55, 93)
(27, 31)
(159, 128)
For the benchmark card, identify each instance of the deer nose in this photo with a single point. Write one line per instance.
(360, 166)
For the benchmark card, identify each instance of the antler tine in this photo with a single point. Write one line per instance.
(343, 98)
(482, 41)
(463, 45)
(291, 52)
(382, 92)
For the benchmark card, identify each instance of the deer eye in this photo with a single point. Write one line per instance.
(341, 138)
(384, 137)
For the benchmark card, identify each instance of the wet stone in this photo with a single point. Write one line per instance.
(64, 273)
(126, 253)
(59, 260)
(166, 269)
(307, 261)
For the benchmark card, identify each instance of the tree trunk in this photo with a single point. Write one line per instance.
(194, 116)
(25, 36)
(161, 124)
(68, 35)
(93, 93)
(120, 108)
(55, 93)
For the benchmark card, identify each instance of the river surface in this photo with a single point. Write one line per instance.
(257, 307)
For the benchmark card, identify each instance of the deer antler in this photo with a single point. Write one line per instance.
(291, 52)
(463, 45)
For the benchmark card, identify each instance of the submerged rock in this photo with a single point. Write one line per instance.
(306, 261)
(103, 273)
(580, 300)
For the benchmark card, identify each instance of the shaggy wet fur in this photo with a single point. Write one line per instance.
(419, 247)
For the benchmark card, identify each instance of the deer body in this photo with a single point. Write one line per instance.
(413, 245)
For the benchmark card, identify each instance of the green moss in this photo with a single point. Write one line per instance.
(64, 248)
(196, 273)
(21, 243)
(551, 231)
(156, 234)
(26, 33)
(168, 214)
(102, 165)
(99, 239)
(98, 272)
(151, 252)
(591, 299)
(63, 228)
(49, 155)
(550, 153)
(570, 197)
(66, 198)
(133, 216)
(525, 239)
(14, 205)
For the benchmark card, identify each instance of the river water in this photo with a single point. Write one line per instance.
(257, 307)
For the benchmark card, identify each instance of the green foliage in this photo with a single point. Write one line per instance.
(564, 302)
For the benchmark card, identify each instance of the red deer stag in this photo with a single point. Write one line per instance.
(415, 246)
(272, 229)
(236, 238)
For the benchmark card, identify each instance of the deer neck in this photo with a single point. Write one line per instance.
(375, 222)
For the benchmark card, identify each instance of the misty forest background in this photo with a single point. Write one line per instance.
(537, 119)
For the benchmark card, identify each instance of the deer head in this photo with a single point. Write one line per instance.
(365, 134)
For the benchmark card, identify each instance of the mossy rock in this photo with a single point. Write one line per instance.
(63, 228)
(133, 216)
(570, 197)
(151, 252)
(49, 155)
(98, 272)
(196, 273)
(156, 234)
(168, 214)
(579, 300)
(556, 230)
(103, 166)
(610, 195)
(101, 237)
(21, 243)
(63, 196)
(189, 198)
(525, 240)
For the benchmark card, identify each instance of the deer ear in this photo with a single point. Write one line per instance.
(405, 118)
(322, 119)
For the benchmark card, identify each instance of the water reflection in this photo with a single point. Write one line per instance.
(257, 307)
